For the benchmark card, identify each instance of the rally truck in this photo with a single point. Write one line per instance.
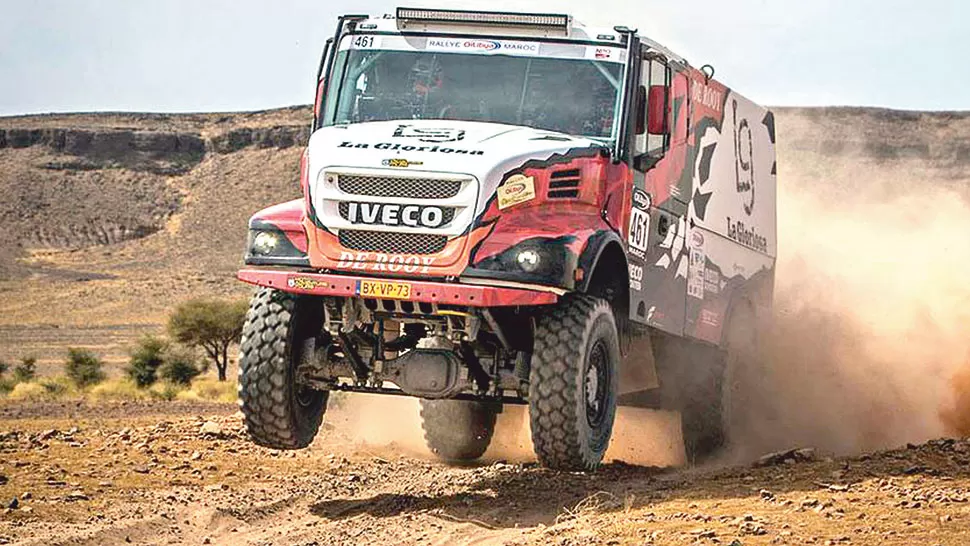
(513, 208)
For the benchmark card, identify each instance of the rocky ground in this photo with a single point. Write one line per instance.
(157, 473)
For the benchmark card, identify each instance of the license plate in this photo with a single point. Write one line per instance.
(384, 289)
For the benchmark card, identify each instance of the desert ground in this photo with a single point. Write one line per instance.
(112, 219)
(187, 474)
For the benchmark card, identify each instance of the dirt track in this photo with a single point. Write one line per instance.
(186, 474)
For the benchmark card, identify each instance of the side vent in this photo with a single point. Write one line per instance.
(564, 184)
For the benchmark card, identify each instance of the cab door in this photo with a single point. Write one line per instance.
(658, 263)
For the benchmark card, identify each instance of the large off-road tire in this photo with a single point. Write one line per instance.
(743, 412)
(279, 412)
(573, 383)
(458, 430)
(691, 382)
(701, 415)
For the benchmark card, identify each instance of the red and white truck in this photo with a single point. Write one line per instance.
(513, 208)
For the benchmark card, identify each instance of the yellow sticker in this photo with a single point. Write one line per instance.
(400, 163)
(517, 189)
(305, 283)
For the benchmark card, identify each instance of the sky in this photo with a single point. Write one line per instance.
(222, 55)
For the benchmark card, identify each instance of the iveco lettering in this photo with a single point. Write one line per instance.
(514, 208)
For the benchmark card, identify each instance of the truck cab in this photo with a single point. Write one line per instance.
(512, 208)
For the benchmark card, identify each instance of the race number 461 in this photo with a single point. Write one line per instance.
(639, 229)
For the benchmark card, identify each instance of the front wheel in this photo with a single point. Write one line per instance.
(573, 383)
(279, 412)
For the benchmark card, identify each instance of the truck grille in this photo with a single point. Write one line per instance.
(392, 243)
(392, 186)
(447, 213)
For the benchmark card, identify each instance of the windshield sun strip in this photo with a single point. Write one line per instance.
(617, 51)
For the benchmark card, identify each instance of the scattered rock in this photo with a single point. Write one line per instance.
(76, 495)
(14, 503)
(210, 428)
(752, 528)
(3, 479)
(790, 456)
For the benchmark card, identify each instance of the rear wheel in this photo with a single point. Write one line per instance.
(573, 383)
(458, 430)
(742, 407)
(279, 412)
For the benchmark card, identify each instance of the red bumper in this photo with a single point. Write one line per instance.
(321, 284)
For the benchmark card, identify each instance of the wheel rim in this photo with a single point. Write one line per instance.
(595, 384)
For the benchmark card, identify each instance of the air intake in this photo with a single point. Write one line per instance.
(564, 184)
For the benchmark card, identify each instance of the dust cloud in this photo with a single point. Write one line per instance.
(390, 426)
(869, 347)
(871, 323)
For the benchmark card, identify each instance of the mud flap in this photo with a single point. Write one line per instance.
(638, 368)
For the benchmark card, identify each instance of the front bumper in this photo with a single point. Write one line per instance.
(323, 284)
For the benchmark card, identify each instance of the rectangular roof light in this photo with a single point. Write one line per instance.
(535, 20)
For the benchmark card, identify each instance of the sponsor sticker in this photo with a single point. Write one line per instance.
(603, 53)
(636, 276)
(476, 45)
(641, 199)
(429, 135)
(710, 318)
(697, 239)
(712, 281)
(400, 163)
(517, 189)
(695, 273)
(305, 283)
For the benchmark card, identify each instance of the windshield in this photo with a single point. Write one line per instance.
(567, 88)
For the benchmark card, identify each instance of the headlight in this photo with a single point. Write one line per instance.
(529, 260)
(265, 243)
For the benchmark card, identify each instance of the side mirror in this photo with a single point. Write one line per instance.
(641, 110)
(657, 117)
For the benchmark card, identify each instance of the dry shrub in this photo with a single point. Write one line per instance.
(28, 392)
(117, 389)
(211, 390)
(165, 391)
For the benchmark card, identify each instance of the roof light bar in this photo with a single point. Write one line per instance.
(535, 20)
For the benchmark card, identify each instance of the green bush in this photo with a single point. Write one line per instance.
(212, 324)
(146, 358)
(83, 367)
(3, 367)
(180, 368)
(26, 370)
